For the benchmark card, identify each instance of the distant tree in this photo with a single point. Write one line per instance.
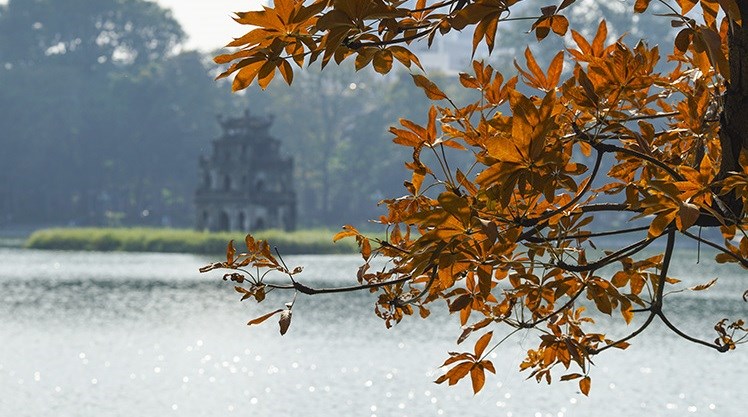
(506, 243)
(91, 34)
(94, 94)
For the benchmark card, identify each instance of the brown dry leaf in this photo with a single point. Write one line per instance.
(285, 321)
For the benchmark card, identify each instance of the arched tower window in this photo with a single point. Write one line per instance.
(223, 222)
(241, 221)
(227, 183)
(259, 224)
(203, 221)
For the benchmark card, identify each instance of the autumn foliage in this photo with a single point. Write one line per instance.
(508, 243)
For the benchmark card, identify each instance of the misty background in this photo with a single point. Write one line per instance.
(105, 108)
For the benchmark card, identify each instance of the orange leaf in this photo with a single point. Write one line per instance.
(554, 70)
(286, 71)
(559, 24)
(266, 74)
(478, 378)
(366, 249)
(598, 44)
(383, 61)
(687, 216)
(245, 76)
(404, 56)
(585, 384)
(641, 5)
(432, 91)
(703, 287)
(660, 222)
(348, 231)
(230, 252)
(458, 372)
(687, 5)
(260, 319)
(482, 343)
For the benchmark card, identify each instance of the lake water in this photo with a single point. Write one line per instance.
(114, 334)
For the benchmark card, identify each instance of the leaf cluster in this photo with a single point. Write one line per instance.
(509, 241)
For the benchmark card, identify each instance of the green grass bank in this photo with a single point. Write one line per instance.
(314, 241)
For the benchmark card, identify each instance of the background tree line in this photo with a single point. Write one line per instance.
(104, 114)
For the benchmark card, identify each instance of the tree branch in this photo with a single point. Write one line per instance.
(671, 326)
(633, 334)
(742, 261)
(314, 291)
(580, 194)
(613, 148)
(613, 257)
(584, 235)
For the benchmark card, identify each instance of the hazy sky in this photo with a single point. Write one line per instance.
(208, 22)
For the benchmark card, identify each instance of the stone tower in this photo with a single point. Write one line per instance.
(246, 185)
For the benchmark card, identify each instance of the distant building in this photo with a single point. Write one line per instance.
(246, 185)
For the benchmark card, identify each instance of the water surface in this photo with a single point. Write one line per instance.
(116, 334)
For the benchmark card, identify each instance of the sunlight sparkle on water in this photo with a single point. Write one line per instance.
(215, 363)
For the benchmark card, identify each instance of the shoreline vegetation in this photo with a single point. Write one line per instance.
(307, 242)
